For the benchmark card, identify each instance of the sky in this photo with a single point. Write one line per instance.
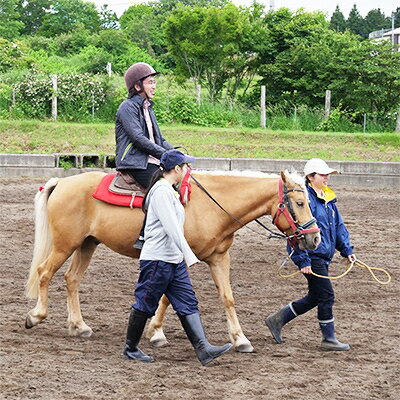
(327, 6)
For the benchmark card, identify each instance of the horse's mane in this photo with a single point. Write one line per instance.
(296, 177)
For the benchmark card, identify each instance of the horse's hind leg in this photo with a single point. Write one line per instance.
(73, 277)
(46, 271)
(155, 331)
(220, 270)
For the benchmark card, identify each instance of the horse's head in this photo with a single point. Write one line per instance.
(293, 215)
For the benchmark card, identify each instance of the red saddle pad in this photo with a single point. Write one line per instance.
(103, 194)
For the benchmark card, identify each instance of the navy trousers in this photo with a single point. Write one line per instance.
(144, 176)
(320, 293)
(157, 278)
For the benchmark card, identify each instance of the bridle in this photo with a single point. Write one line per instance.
(285, 207)
(284, 199)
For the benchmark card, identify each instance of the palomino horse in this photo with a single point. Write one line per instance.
(69, 221)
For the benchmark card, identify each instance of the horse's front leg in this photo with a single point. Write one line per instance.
(45, 271)
(155, 331)
(73, 277)
(219, 264)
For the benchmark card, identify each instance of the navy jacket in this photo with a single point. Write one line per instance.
(334, 234)
(132, 136)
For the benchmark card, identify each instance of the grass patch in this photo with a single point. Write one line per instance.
(39, 137)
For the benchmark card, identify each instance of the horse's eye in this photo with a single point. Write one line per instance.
(300, 203)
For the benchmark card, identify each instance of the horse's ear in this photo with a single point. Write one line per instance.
(286, 178)
(283, 176)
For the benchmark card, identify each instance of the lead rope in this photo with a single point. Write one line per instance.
(349, 266)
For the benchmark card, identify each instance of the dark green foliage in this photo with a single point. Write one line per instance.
(338, 22)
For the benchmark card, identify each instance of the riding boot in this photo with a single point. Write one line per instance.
(140, 240)
(195, 332)
(276, 321)
(137, 322)
(329, 341)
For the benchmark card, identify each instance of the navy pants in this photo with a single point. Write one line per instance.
(144, 176)
(157, 278)
(320, 293)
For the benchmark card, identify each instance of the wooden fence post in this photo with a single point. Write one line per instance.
(327, 104)
(263, 112)
(398, 122)
(109, 69)
(364, 122)
(13, 101)
(54, 98)
(198, 94)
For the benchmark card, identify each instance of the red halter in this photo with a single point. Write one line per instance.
(285, 208)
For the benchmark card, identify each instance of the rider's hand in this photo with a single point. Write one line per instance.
(306, 270)
(352, 258)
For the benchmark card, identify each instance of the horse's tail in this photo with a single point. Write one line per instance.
(43, 240)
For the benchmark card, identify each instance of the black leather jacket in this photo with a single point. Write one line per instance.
(132, 136)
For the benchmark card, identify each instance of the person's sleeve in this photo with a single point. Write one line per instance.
(342, 235)
(162, 203)
(299, 257)
(129, 118)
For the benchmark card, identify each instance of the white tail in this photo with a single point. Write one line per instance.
(43, 240)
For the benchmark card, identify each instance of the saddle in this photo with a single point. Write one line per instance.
(123, 183)
(120, 189)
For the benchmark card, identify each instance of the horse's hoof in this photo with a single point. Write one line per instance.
(159, 342)
(80, 332)
(245, 348)
(28, 322)
(86, 333)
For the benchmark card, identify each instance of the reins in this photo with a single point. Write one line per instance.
(349, 267)
(272, 235)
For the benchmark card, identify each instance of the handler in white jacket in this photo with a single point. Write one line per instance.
(163, 264)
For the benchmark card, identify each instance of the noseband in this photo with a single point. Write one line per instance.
(285, 208)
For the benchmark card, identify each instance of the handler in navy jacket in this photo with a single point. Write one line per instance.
(334, 235)
(140, 144)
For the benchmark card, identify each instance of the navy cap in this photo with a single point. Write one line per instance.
(171, 158)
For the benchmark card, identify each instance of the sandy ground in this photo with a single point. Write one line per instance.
(45, 363)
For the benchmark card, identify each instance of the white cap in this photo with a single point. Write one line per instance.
(319, 166)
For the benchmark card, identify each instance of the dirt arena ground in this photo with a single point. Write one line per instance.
(45, 363)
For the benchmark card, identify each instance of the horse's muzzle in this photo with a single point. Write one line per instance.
(310, 241)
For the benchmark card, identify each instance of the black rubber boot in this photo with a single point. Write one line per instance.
(137, 322)
(195, 332)
(276, 321)
(329, 341)
(140, 240)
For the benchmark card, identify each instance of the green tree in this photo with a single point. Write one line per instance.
(10, 24)
(376, 20)
(66, 15)
(202, 41)
(13, 55)
(283, 26)
(338, 22)
(143, 27)
(356, 23)
(396, 17)
(32, 13)
(108, 18)
(166, 6)
(73, 42)
(367, 77)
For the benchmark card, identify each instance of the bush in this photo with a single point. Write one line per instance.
(77, 94)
